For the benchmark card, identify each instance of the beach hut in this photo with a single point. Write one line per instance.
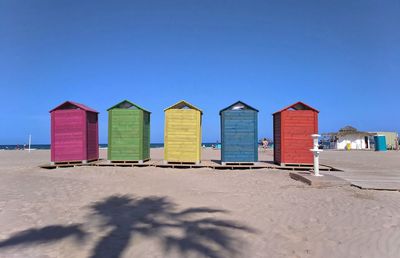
(128, 132)
(74, 133)
(380, 143)
(239, 134)
(182, 135)
(392, 139)
(293, 127)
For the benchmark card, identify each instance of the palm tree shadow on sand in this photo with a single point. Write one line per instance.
(46, 235)
(194, 231)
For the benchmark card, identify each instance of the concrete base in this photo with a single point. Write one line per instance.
(318, 181)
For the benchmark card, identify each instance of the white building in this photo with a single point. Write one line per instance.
(353, 142)
(350, 138)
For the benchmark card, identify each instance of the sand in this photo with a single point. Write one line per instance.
(156, 212)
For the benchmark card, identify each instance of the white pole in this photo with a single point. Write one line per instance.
(29, 144)
(316, 164)
(316, 152)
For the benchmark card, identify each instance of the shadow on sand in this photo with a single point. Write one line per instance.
(184, 232)
(45, 235)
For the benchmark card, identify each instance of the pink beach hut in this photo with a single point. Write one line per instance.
(74, 133)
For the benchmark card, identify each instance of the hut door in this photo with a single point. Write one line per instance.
(366, 142)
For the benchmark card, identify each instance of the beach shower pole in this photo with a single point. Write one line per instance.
(29, 143)
(316, 152)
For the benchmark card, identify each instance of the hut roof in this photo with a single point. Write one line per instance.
(298, 106)
(238, 105)
(126, 104)
(68, 104)
(348, 129)
(351, 130)
(182, 105)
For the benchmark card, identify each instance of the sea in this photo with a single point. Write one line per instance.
(47, 146)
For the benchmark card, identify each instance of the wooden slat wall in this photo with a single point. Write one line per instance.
(277, 138)
(182, 136)
(125, 128)
(92, 136)
(146, 136)
(68, 135)
(298, 125)
(239, 136)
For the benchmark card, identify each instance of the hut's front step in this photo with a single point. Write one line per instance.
(296, 165)
(238, 163)
(165, 162)
(69, 162)
(72, 162)
(128, 161)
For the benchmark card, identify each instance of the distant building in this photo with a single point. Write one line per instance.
(350, 138)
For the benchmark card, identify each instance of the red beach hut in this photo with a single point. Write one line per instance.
(74, 133)
(293, 127)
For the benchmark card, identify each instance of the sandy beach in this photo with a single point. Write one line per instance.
(162, 212)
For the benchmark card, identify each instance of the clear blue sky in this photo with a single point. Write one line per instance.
(341, 57)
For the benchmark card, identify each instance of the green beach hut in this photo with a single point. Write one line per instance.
(128, 132)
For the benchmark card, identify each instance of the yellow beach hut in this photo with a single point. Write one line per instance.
(182, 133)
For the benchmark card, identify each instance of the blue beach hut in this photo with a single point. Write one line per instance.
(239, 133)
(380, 143)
